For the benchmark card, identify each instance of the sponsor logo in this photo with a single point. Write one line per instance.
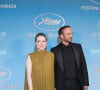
(91, 7)
(7, 4)
(86, 8)
(49, 22)
(5, 74)
(3, 35)
(9, 86)
(31, 34)
(94, 74)
(95, 35)
(95, 1)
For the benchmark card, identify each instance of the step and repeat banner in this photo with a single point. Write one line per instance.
(21, 20)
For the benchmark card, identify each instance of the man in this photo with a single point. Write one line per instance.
(70, 66)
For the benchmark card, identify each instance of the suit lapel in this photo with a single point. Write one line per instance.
(76, 55)
(60, 58)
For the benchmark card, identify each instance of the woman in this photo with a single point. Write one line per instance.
(40, 66)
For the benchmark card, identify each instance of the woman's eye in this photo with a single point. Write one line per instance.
(44, 41)
(38, 41)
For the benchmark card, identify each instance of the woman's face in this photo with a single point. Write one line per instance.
(41, 43)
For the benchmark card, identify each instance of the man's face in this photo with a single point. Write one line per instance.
(66, 35)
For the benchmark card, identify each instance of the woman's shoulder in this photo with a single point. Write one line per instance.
(31, 54)
(35, 53)
(50, 53)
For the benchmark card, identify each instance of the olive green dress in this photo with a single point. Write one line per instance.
(42, 71)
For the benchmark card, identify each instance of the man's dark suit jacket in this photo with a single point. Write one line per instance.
(80, 63)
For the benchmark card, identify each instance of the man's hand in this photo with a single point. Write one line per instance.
(85, 87)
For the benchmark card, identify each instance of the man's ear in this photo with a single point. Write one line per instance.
(61, 36)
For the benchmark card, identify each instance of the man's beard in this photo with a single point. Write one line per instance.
(67, 41)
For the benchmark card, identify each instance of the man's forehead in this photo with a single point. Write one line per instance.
(67, 30)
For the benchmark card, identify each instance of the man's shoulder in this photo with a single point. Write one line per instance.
(76, 44)
(56, 47)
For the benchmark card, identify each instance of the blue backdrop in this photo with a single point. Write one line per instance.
(21, 20)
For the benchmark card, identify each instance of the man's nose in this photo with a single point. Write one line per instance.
(70, 35)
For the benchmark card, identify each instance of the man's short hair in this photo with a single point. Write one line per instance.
(60, 31)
